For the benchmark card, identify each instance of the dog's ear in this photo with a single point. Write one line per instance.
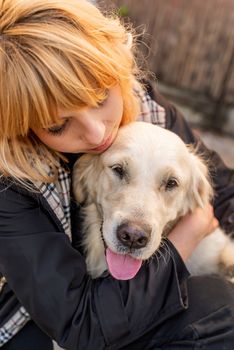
(84, 177)
(200, 191)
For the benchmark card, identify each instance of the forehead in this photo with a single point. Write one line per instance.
(144, 138)
(149, 147)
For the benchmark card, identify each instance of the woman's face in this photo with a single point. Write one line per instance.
(86, 130)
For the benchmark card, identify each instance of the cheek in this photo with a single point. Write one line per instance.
(56, 143)
(121, 109)
(174, 203)
(116, 111)
(115, 117)
(43, 137)
(48, 140)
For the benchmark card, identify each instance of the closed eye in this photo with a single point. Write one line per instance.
(58, 129)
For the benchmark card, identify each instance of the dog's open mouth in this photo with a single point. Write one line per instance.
(122, 266)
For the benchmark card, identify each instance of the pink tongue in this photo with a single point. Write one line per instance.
(122, 267)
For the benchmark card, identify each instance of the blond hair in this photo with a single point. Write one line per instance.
(55, 54)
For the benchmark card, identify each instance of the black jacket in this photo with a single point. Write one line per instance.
(48, 275)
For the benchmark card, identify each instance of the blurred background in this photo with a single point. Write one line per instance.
(189, 46)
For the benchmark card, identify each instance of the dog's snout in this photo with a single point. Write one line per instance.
(133, 236)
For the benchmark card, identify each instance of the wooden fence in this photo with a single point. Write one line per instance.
(190, 43)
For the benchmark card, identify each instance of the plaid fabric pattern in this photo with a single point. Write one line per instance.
(13, 325)
(58, 196)
(151, 112)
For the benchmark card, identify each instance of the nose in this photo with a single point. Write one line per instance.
(92, 129)
(133, 235)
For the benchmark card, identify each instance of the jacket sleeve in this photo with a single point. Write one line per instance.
(49, 278)
(222, 177)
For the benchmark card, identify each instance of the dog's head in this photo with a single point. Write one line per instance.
(146, 180)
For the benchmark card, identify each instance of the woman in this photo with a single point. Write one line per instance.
(68, 82)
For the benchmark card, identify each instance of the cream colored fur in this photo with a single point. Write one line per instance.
(149, 158)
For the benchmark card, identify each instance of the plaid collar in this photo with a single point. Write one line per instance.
(151, 112)
(57, 195)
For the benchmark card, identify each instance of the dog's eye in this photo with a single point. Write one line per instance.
(170, 184)
(118, 170)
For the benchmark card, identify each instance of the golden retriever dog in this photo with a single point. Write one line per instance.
(134, 192)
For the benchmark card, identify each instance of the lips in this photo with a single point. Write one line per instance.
(103, 146)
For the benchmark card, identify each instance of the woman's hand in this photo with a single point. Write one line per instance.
(191, 229)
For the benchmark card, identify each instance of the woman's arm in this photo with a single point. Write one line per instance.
(198, 224)
(49, 278)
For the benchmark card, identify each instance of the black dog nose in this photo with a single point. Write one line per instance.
(133, 235)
